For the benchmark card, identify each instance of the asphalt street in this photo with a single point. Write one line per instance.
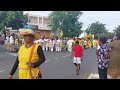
(58, 65)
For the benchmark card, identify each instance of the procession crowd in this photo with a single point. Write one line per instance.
(65, 44)
(107, 53)
(55, 43)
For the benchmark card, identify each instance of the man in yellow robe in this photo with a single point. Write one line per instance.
(30, 57)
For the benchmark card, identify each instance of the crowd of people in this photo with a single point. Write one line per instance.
(65, 44)
(28, 62)
(11, 41)
(51, 43)
(107, 53)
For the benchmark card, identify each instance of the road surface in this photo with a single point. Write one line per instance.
(58, 65)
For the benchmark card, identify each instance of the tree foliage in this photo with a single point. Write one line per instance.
(117, 29)
(96, 28)
(109, 35)
(67, 21)
(14, 19)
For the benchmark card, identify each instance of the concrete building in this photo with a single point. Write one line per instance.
(41, 22)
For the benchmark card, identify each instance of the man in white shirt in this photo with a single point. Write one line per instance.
(11, 40)
(52, 43)
(69, 44)
(46, 43)
(59, 45)
(11, 43)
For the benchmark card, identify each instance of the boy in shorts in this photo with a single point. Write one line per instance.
(77, 52)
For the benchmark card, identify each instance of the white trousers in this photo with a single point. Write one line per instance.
(46, 47)
(51, 48)
(43, 47)
(58, 48)
(70, 48)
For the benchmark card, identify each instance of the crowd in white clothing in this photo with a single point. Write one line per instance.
(52, 44)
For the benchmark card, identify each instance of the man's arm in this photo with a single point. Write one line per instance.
(14, 67)
(41, 57)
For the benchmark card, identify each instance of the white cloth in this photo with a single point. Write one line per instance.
(46, 40)
(8, 39)
(69, 44)
(85, 42)
(98, 47)
(52, 42)
(59, 45)
(11, 40)
(46, 44)
(77, 60)
(36, 41)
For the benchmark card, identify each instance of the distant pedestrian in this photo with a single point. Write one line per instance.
(16, 41)
(11, 39)
(69, 44)
(77, 52)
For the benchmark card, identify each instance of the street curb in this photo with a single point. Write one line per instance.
(96, 76)
(90, 76)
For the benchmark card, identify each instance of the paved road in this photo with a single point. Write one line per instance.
(58, 65)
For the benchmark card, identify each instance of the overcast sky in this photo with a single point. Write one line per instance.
(110, 18)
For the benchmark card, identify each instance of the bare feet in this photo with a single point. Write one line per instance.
(77, 71)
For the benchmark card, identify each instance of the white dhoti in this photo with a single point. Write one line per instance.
(70, 48)
(52, 46)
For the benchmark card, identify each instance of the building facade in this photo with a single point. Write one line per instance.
(41, 22)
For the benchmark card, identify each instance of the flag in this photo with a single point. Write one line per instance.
(93, 36)
(61, 33)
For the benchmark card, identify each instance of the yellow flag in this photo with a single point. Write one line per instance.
(93, 36)
(61, 33)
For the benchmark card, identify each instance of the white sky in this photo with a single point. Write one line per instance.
(110, 18)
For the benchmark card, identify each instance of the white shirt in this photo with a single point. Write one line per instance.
(40, 41)
(85, 42)
(46, 40)
(98, 47)
(59, 41)
(11, 40)
(70, 42)
(36, 41)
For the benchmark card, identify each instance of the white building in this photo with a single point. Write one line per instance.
(42, 23)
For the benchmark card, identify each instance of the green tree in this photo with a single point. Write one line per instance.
(96, 28)
(109, 35)
(117, 29)
(67, 21)
(14, 19)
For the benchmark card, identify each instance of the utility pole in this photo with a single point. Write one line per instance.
(28, 19)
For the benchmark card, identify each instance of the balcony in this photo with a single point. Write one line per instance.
(43, 27)
(31, 23)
